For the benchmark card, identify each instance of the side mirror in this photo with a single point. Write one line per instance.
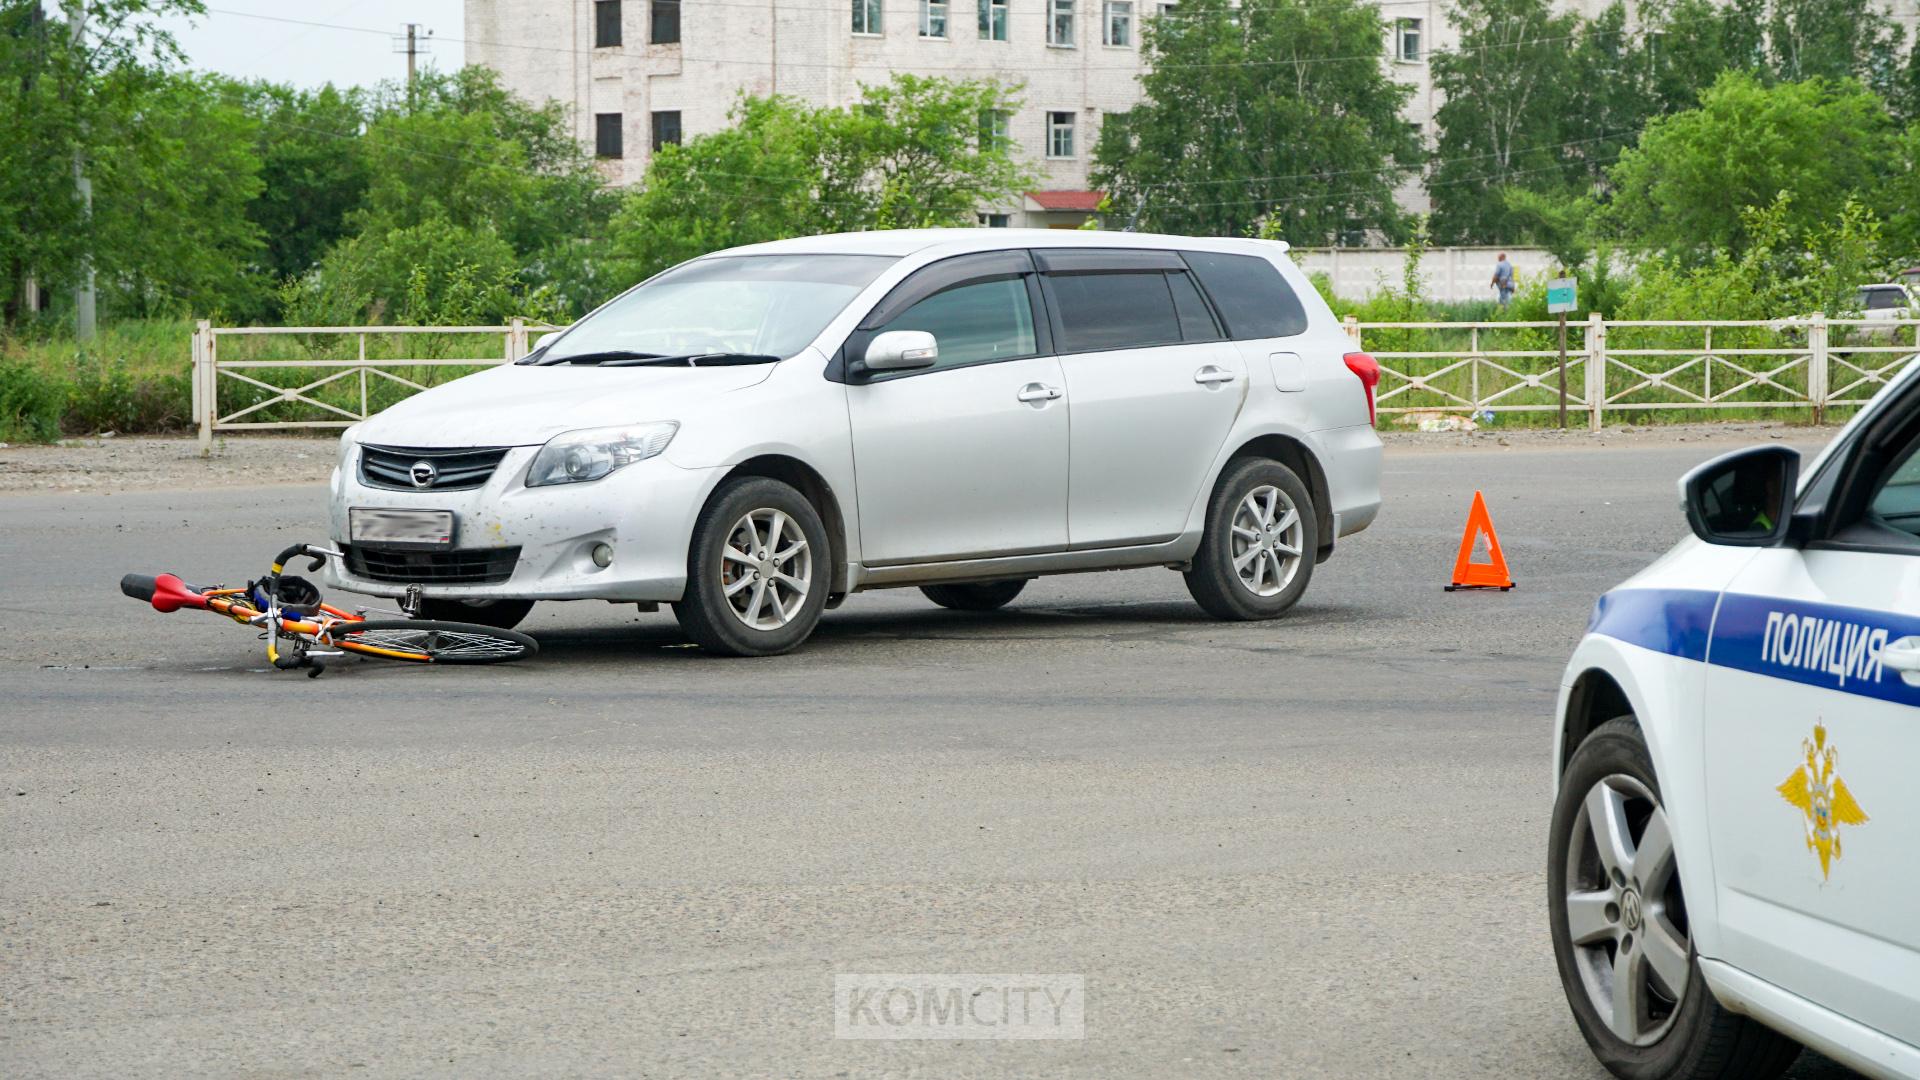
(1742, 499)
(901, 350)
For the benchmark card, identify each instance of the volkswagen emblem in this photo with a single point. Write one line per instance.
(424, 473)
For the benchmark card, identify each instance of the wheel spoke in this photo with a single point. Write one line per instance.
(734, 554)
(786, 556)
(791, 582)
(1607, 818)
(1666, 953)
(1287, 520)
(742, 582)
(1274, 570)
(774, 527)
(758, 598)
(1273, 508)
(1629, 992)
(1587, 920)
(1241, 560)
(1291, 552)
(1245, 533)
(1653, 856)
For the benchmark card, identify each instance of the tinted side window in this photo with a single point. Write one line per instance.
(976, 323)
(1250, 295)
(1897, 502)
(1196, 322)
(1113, 311)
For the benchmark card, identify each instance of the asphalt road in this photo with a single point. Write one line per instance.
(1306, 848)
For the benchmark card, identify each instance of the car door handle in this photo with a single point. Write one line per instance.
(1903, 656)
(1034, 391)
(1209, 375)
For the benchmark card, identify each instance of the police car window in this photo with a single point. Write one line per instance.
(1897, 503)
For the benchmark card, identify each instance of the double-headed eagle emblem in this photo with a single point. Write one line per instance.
(1822, 798)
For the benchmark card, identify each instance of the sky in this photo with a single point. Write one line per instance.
(228, 39)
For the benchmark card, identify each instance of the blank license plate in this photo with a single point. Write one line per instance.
(401, 528)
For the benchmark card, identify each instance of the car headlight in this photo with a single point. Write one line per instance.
(575, 457)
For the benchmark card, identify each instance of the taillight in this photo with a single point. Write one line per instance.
(1368, 369)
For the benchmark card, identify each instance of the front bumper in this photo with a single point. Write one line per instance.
(645, 512)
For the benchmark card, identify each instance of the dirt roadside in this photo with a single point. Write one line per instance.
(152, 464)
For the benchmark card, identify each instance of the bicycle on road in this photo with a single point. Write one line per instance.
(303, 632)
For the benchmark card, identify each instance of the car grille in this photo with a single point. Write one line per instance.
(474, 566)
(457, 469)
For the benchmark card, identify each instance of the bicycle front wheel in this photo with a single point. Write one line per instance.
(430, 642)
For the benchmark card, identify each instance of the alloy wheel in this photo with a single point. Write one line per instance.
(1267, 539)
(1626, 919)
(766, 569)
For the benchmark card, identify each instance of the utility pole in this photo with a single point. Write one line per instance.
(83, 292)
(413, 45)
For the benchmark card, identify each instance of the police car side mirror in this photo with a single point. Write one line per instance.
(1742, 499)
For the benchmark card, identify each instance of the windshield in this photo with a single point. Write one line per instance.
(1882, 299)
(772, 305)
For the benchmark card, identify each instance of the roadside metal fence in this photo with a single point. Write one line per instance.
(1710, 369)
(283, 378)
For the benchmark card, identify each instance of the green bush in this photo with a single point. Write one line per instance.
(30, 404)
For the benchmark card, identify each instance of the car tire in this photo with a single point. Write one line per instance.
(1239, 576)
(726, 607)
(1670, 1035)
(499, 614)
(977, 596)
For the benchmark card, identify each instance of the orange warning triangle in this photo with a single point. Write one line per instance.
(1468, 574)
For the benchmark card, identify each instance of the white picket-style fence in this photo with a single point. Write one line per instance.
(1811, 364)
(211, 373)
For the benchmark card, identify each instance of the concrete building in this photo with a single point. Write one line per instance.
(639, 73)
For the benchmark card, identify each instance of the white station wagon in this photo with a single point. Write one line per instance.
(755, 434)
(1734, 857)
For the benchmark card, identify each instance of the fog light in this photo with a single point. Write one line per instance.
(603, 555)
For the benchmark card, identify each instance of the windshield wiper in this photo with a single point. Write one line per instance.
(712, 359)
(605, 356)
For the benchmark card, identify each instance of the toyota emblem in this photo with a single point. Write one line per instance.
(424, 474)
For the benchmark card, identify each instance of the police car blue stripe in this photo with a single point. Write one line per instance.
(1824, 645)
(1672, 621)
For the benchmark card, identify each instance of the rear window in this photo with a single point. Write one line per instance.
(1250, 295)
(1882, 299)
(1113, 311)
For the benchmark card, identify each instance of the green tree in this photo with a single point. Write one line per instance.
(1246, 125)
(1686, 188)
(173, 178)
(313, 172)
(1534, 100)
(62, 96)
(908, 154)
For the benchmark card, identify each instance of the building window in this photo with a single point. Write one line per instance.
(606, 23)
(664, 26)
(995, 128)
(866, 17)
(607, 141)
(666, 128)
(1059, 134)
(1406, 40)
(996, 221)
(993, 20)
(1117, 27)
(1060, 23)
(933, 18)
(1167, 9)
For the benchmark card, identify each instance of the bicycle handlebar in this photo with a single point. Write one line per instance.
(138, 586)
(319, 558)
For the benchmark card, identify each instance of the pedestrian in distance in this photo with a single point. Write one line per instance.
(1503, 279)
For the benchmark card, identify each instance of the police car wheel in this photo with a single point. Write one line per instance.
(1620, 931)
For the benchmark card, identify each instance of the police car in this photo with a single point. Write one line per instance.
(1734, 858)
